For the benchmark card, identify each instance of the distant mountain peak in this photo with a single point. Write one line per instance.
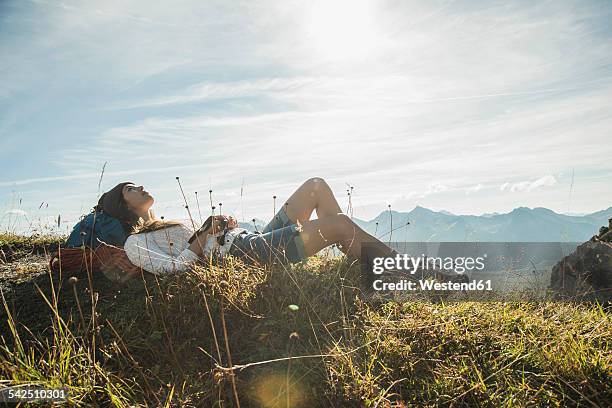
(603, 213)
(520, 210)
(544, 210)
(419, 209)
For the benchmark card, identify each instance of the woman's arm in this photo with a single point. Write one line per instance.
(198, 245)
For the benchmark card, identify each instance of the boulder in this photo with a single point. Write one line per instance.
(585, 274)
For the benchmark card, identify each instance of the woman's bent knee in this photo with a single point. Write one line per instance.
(316, 183)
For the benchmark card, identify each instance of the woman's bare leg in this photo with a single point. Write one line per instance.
(331, 226)
(313, 194)
(339, 228)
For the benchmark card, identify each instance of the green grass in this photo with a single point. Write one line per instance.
(12, 246)
(10, 240)
(154, 344)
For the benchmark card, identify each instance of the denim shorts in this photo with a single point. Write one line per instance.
(279, 241)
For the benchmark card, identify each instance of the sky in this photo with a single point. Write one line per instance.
(464, 106)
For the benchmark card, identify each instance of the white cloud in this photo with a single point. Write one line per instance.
(527, 186)
(96, 176)
(434, 188)
(474, 189)
(541, 182)
(225, 90)
(520, 186)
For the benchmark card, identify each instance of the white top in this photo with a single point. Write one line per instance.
(167, 250)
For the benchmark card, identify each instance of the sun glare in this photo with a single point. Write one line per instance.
(342, 29)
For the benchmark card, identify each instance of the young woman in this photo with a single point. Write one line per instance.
(110, 222)
(162, 246)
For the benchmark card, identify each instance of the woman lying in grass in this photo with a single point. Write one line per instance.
(161, 246)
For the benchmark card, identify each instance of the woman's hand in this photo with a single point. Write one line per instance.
(197, 245)
(230, 221)
(216, 224)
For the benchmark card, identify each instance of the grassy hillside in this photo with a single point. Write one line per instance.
(298, 336)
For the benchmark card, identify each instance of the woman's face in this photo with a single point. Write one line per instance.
(138, 200)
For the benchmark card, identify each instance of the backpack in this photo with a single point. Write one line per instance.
(110, 260)
(96, 228)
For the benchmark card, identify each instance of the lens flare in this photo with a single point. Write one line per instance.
(276, 390)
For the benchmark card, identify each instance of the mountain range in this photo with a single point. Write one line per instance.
(520, 225)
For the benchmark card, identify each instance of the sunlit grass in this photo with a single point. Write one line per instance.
(302, 336)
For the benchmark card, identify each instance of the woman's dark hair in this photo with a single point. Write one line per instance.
(113, 204)
(155, 225)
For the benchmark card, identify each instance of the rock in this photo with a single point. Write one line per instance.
(586, 274)
(605, 233)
